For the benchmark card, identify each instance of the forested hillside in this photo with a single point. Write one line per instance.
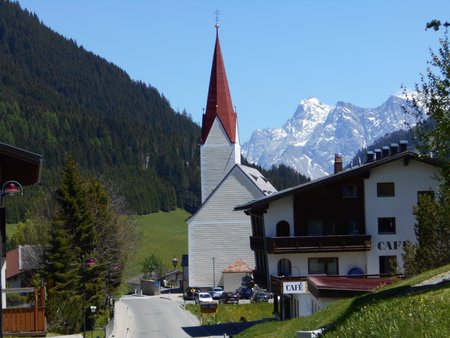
(58, 98)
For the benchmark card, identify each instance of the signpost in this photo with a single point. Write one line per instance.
(208, 308)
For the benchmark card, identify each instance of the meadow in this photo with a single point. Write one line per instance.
(164, 234)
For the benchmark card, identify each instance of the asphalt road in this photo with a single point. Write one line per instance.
(152, 316)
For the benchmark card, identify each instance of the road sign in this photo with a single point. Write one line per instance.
(208, 308)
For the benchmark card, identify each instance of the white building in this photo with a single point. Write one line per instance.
(219, 235)
(354, 222)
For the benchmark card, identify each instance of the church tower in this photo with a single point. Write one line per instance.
(219, 143)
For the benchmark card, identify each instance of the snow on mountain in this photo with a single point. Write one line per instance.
(308, 141)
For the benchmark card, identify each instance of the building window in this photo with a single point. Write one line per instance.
(386, 225)
(284, 267)
(323, 265)
(388, 264)
(283, 229)
(385, 189)
(315, 228)
(349, 191)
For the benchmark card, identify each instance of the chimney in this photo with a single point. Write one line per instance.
(377, 154)
(385, 151)
(394, 148)
(403, 145)
(370, 156)
(337, 163)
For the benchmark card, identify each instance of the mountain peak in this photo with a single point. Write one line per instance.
(308, 141)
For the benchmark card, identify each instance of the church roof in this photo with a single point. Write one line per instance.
(219, 99)
(258, 179)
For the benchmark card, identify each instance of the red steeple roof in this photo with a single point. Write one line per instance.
(219, 98)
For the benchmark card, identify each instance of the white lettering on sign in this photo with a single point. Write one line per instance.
(294, 287)
(391, 245)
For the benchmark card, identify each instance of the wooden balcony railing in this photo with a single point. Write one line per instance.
(303, 244)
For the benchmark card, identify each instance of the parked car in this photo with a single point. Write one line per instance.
(216, 292)
(245, 293)
(229, 298)
(203, 297)
(261, 297)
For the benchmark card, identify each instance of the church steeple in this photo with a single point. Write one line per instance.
(219, 144)
(219, 99)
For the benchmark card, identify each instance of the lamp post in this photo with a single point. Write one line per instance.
(9, 188)
(214, 271)
(174, 282)
(93, 310)
(89, 262)
(174, 262)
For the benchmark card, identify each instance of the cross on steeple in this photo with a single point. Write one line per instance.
(217, 13)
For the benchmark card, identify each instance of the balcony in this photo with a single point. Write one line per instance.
(305, 244)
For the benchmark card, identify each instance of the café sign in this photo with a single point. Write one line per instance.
(295, 287)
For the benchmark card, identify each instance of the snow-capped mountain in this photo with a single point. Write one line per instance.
(308, 141)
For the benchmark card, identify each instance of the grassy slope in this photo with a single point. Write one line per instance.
(385, 313)
(163, 234)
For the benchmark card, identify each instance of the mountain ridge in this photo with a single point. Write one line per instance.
(308, 141)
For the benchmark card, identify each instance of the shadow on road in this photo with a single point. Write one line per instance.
(230, 329)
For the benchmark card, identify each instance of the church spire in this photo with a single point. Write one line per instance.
(219, 99)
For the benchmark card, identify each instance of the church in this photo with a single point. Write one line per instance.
(219, 235)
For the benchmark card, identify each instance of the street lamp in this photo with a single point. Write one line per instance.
(174, 262)
(9, 188)
(93, 310)
(89, 262)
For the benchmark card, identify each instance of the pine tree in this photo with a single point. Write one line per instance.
(60, 272)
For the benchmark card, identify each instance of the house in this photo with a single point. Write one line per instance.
(235, 273)
(218, 234)
(353, 222)
(20, 264)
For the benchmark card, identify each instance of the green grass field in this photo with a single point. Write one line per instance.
(164, 234)
(231, 313)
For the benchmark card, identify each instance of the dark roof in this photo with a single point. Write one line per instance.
(344, 174)
(19, 165)
(219, 99)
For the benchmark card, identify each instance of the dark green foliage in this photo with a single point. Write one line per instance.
(431, 107)
(281, 177)
(84, 229)
(56, 97)
(432, 231)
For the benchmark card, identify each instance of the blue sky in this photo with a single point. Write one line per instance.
(276, 53)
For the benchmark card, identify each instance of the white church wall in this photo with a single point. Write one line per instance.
(218, 231)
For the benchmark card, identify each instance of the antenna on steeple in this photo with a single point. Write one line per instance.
(217, 13)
